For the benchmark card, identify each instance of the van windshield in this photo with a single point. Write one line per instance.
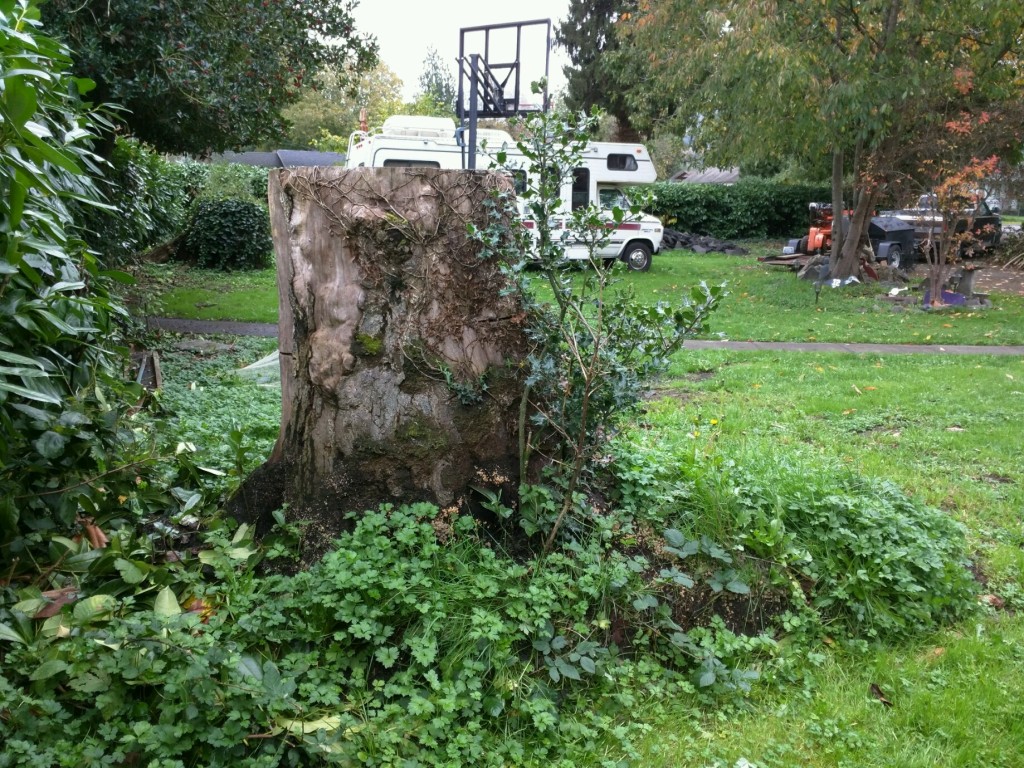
(613, 198)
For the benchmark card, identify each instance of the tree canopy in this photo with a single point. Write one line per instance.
(600, 74)
(332, 107)
(437, 87)
(199, 75)
(858, 82)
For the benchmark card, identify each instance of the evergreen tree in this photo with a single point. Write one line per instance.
(597, 75)
(437, 85)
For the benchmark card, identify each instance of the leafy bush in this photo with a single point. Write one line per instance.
(411, 641)
(751, 208)
(234, 181)
(880, 562)
(61, 395)
(868, 556)
(148, 202)
(594, 346)
(228, 234)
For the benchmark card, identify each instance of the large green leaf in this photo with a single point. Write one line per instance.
(166, 603)
(19, 101)
(50, 444)
(94, 607)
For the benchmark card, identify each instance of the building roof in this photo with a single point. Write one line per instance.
(282, 158)
(707, 176)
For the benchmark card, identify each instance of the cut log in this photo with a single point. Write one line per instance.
(400, 347)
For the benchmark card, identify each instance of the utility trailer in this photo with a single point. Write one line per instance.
(891, 237)
(607, 170)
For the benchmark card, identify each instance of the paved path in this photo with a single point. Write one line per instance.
(177, 325)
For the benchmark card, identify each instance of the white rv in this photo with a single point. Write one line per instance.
(607, 170)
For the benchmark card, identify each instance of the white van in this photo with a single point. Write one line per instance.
(406, 141)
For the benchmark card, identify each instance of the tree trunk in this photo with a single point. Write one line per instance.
(399, 354)
(838, 224)
(856, 236)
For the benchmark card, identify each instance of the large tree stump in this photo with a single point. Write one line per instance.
(400, 375)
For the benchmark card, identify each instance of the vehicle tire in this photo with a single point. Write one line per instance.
(895, 257)
(638, 256)
(805, 243)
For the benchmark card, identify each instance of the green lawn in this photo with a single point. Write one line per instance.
(945, 429)
(764, 303)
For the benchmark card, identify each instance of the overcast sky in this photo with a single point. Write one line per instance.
(406, 29)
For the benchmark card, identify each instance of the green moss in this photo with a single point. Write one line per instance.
(367, 345)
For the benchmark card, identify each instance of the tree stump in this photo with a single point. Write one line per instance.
(400, 374)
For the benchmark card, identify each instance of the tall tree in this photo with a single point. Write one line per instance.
(437, 85)
(598, 77)
(857, 81)
(329, 111)
(201, 75)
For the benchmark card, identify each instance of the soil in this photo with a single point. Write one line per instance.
(994, 279)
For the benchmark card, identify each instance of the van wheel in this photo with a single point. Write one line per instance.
(638, 257)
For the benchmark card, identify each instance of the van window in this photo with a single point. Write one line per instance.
(613, 198)
(621, 163)
(580, 188)
(411, 164)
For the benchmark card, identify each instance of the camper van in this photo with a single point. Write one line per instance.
(607, 170)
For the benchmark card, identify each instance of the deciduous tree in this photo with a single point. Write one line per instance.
(437, 86)
(857, 81)
(328, 112)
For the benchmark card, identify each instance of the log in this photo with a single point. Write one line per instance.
(400, 346)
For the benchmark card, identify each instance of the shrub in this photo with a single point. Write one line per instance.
(754, 208)
(870, 558)
(228, 234)
(234, 181)
(146, 199)
(412, 643)
(61, 387)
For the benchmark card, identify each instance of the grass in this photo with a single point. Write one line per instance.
(954, 697)
(764, 303)
(945, 429)
(770, 304)
(174, 290)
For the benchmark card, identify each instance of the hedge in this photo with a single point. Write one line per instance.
(753, 208)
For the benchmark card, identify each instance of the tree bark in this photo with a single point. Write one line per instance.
(838, 224)
(856, 237)
(400, 375)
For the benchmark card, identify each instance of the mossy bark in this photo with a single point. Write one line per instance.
(400, 355)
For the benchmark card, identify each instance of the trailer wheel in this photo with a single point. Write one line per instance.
(638, 256)
(895, 257)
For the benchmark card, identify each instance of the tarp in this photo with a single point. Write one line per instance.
(266, 372)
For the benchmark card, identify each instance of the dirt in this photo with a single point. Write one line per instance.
(994, 279)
